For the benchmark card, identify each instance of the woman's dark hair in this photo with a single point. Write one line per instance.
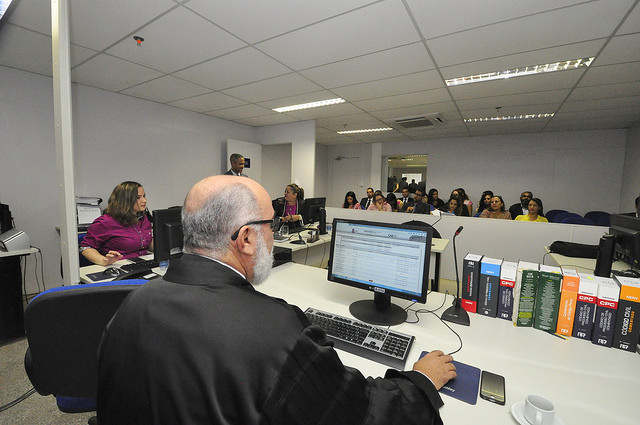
(501, 200)
(346, 203)
(430, 199)
(539, 202)
(481, 205)
(461, 193)
(392, 200)
(458, 210)
(297, 190)
(123, 197)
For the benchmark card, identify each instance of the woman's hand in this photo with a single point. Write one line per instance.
(112, 257)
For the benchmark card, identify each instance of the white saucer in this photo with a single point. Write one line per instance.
(517, 410)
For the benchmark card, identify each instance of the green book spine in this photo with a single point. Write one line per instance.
(547, 301)
(526, 305)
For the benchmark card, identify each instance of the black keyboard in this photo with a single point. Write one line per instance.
(140, 265)
(369, 341)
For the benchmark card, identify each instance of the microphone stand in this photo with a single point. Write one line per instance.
(455, 313)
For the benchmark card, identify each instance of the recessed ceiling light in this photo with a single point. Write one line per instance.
(518, 72)
(309, 105)
(365, 130)
(509, 117)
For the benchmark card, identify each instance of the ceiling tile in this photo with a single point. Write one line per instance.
(625, 48)
(370, 29)
(111, 73)
(325, 111)
(299, 99)
(274, 88)
(432, 108)
(165, 89)
(403, 100)
(620, 73)
(614, 103)
(266, 120)
(453, 16)
(15, 41)
(511, 111)
(261, 19)
(632, 24)
(375, 66)
(563, 26)
(234, 69)
(605, 91)
(207, 102)
(242, 112)
(419, 81)
(165, 40)
(534, 98)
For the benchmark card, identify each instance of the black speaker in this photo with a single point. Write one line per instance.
(604, 259)
(322, 226)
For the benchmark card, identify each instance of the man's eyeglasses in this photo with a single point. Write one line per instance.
(274, 222)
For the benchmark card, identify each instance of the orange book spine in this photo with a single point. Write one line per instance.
(568, 299)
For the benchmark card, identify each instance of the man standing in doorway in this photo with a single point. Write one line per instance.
(237, 165)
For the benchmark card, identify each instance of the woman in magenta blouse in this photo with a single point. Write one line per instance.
(291, 212)
(123, 231)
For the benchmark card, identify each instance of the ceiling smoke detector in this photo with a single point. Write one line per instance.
(419, 121)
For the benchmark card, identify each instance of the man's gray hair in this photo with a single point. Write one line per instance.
(235, 157)
(208, 229)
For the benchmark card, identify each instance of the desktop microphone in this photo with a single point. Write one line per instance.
(455, 313)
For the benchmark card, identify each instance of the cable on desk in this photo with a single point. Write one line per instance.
(18, 400)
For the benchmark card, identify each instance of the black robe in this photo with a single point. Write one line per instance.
(202, 346)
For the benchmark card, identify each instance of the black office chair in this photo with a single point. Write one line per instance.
(64, 326)
(436, 234)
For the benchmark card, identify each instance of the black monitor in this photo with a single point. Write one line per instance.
(312, 207)
(6, 221)
(167, 233)
(391, 260)
(626, 230)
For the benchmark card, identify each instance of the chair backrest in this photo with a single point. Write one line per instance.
(561, 216)
(576, 219)
(436, 234)
(600, 218)
(82, 260)
(64, 327)
(551, 214)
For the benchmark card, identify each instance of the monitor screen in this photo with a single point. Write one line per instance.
(626, 230)
(167, 233)
(387, 259)
(312, 206)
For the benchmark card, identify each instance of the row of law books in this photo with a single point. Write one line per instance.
(554, 299)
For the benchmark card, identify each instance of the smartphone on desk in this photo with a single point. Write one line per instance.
(492, 387)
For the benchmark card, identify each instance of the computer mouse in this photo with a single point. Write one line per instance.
(112, 271)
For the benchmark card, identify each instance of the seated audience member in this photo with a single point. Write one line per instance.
(460, 193)
(432, 199)
(406, 201)
(291, 210)
(496, 209)
(485, 202)
(365, 202)
(202, 346)
(123, 231)
(523, 206)
(535, 206)
(379, 203)
(350, 201)
(455, 206)
(419, 205)
(392, 201)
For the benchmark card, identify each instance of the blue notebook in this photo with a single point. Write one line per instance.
(465, 386)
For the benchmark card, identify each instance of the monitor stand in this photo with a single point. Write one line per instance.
(379, 311)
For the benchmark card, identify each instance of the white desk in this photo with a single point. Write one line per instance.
(589, 384)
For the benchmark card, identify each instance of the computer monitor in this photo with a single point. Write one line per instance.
(386, 259)
(626, 230)
(167, 233)
(312, 207)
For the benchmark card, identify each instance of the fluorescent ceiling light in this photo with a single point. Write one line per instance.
(510, 117)
(365, 130)
(310, 105)
(518, 72)
(4, 5)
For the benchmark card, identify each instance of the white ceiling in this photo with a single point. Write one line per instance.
(388, 59)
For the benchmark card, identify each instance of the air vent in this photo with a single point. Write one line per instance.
(420, 121)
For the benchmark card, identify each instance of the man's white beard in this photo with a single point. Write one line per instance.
(262, 263)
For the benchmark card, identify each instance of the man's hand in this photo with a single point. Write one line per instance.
(438, 367)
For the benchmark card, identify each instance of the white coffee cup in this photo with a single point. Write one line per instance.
(539, 410)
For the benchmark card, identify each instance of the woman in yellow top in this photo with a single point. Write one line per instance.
(534, 207)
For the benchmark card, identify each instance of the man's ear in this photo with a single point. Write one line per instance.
(246, 241)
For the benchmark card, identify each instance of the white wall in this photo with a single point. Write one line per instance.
(276, 162)
(117, 138)
(631, 176)
(576, 171)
